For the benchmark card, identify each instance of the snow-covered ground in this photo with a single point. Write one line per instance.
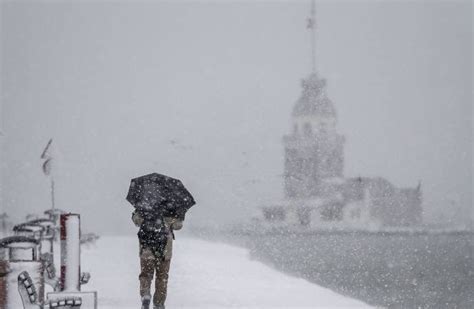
(203, 275)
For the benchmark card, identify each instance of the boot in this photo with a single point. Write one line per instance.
(146, 302)
(159, 307)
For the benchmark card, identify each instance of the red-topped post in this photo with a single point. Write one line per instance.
(70, 252)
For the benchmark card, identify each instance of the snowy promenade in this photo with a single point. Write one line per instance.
(203, 275)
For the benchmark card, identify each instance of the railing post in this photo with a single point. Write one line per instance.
(70, 252)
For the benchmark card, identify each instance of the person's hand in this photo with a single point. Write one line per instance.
(177, 225)
(137, 219)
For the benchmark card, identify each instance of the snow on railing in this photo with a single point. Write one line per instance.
(27, 259)
(71, 277)
(19, 254)
(29, 296)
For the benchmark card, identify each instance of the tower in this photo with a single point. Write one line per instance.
(314, 151)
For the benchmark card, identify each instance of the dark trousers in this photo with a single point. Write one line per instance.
(150, 264)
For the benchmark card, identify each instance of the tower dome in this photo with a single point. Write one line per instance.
(313, 100)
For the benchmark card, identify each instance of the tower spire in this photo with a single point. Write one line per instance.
(311, 25)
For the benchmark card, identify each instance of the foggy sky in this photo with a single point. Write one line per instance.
(203, 91)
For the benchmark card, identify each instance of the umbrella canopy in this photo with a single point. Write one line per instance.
(160, 194)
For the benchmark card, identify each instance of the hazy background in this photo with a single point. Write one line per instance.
(203, 91)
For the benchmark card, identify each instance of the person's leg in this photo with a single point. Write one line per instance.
(161, 283)
(147, 265)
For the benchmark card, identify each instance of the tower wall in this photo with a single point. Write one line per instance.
(310, 161)
(314, 151)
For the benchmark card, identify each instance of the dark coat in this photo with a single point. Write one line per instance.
(156, 232)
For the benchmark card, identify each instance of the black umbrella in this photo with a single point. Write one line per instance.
(160, 194)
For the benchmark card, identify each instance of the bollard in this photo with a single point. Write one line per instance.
(27, 230)
(47, 235)
(40, 229)
(18, 254)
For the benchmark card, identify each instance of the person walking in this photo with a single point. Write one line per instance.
(160, 203)
(156, 248)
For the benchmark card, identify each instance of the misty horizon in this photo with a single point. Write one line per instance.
(203, 91)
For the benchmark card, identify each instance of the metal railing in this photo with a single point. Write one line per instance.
(27, 258)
